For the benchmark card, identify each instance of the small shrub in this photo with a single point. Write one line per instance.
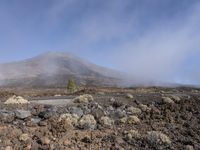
(71, 86)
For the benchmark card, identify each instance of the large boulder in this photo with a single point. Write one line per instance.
(176, 98)
(144, 108)
(119, 113)
(57, 126)
(16, 100)
(86, 98)
(106, 122)
(70, 118)
(22, 114)
(130, 120)
(167, 100)
(50, 112)
(98, 113)
(133, 110)
(87, 122)
(156, 137)
(133, 120)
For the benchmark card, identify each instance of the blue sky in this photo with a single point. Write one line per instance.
(149, 39)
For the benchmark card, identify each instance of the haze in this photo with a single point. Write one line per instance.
(151, 40)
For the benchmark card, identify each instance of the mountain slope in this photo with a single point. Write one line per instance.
(54, 69)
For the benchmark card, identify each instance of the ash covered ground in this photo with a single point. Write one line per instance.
(102, 118)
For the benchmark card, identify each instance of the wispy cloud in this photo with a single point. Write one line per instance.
(146, 45)
(160, 53)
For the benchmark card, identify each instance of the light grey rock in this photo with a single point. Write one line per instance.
(112, 100)
(16, 100)
(133, 120)
(87, 122)
(76, 110)
(167, 100)
(130, 96)
(72, 119)
(86, 98)
(133, 110)
(106, 122)
(176, 98)
(144, 108)
(24, 137)
(22, 114)
(35, 120)
(119, 113)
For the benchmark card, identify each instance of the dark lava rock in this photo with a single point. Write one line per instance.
(97, 110)
(97, 113)
(6, 116)
(48, 113)
(56, 127)
(119, 113)
(86, 140)
(117, 104)
(37, 109)
(110, 138)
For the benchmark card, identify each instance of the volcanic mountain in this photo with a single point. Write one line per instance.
(54, 69)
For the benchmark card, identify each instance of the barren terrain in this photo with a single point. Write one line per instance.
(101, 118)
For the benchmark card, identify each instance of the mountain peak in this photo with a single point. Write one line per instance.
(56, 54)
(54, 69)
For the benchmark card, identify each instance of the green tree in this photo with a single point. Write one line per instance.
(71, 86)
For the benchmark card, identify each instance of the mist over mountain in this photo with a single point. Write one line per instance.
(153, 41)
(54, 69)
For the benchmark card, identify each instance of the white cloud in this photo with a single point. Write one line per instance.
(155, 51)
(145, 39)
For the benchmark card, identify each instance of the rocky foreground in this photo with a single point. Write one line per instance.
(118, 121)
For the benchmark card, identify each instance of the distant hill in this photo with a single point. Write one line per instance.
(54, 69)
